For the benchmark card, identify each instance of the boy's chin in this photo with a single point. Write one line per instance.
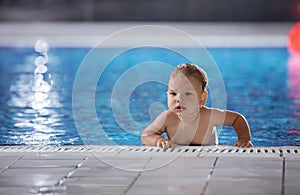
(186, 113)
(183, 112)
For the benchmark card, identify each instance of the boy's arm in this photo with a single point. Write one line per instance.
(152, 135)
(239, 124)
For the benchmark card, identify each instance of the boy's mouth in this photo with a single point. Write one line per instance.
(179, 108)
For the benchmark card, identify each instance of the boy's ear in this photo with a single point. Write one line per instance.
(204, 98)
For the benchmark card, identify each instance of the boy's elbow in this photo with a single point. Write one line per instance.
(239, 120)
(143, 139)
(242, 127)
(149, 139)
(146, 139)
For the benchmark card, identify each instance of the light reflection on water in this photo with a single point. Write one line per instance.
(35, 103)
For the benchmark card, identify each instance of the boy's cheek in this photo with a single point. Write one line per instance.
(169, 105)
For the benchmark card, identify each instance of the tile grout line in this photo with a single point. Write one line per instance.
(59, 186)
(61, 181)
(283, 177)
(209, 177)
(136, 178)
(138, 175)
(7, 167)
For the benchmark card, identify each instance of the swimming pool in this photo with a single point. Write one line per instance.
(261, 83)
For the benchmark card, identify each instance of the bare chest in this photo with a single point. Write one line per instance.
(193, 133)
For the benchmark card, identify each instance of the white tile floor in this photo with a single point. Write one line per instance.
(147, 170)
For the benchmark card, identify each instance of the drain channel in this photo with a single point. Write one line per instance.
(280, 151)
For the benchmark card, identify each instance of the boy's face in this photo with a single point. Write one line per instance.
(185, 95)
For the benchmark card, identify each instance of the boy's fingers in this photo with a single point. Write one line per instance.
(159, 144)
(165, 145)
(166, 148)
(173, 146)
(247, 144)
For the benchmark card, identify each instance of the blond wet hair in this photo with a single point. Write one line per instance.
(192, 70)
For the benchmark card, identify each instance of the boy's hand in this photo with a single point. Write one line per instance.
(242, 143)
(165, 144)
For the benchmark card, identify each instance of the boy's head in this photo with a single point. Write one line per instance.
(187, 89)
(191, 70)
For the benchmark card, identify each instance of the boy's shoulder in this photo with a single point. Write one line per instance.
(167, 116)
(170, 114)
(211, 110)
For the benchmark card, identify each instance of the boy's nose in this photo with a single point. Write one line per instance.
(178, 98)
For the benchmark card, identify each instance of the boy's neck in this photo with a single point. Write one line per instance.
(189, 119)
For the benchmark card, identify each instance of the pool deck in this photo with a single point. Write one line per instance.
(149, 170)
(89, 34)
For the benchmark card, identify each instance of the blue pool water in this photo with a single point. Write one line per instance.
(261, 83)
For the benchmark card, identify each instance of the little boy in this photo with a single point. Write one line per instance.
(188, 121)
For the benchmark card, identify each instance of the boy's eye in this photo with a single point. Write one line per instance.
(189, 93)
(172, 93)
